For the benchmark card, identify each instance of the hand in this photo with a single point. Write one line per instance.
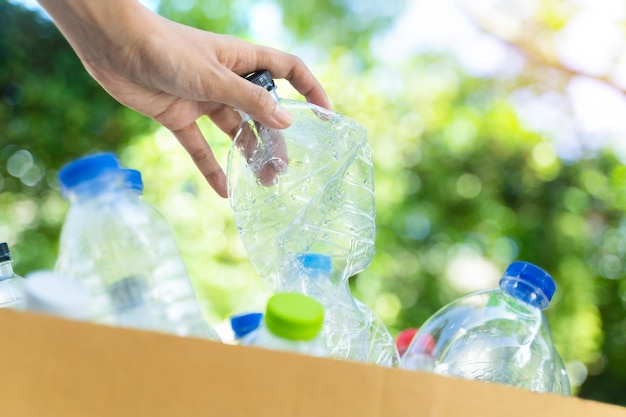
(175, 74)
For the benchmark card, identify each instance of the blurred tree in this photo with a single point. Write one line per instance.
(51, 112)
(466, 182)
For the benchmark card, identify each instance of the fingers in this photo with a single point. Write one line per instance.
(294, 70)
(254, 100)
(194, 143)
(243, 58)
(265, 153)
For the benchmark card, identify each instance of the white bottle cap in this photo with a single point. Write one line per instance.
(50, 293)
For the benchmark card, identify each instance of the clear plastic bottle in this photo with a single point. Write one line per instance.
(11, 284)
(123, 250)
(307, 188)
(47, 292)
(497, 335)
(350, 330)
(292, 322)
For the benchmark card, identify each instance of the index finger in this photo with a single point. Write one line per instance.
(291, 68)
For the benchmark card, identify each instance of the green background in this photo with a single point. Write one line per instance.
(463, 185)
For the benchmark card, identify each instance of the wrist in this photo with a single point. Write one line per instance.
(97, 28)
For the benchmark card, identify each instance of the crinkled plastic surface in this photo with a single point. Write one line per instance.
(307, 188)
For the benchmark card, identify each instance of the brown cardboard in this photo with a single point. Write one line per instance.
(58, 368)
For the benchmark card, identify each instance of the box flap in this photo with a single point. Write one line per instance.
(59, 368)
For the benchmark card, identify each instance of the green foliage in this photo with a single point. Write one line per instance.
(51, 112)
(463, 187)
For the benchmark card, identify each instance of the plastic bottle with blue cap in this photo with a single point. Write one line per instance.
(292, 322)
(123, 251)
(351, 329)
(497, 335)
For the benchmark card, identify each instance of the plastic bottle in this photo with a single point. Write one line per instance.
(307, 188)
(123, 250)
(292, 322)
(350, 330)
(11, 284)
(497, 335)
(49, 293)
(245, 325)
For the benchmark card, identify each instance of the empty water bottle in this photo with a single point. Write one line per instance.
(49, 293)
(123, 250)
(496, 335)
(11, 284)
(350, 330)
(307, 188)
(292, 322)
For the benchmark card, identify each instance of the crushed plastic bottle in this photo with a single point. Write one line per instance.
(305, 189)
(351, 331)
(497, 335)
(123, 250)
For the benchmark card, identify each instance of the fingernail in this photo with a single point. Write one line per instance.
(283, 116)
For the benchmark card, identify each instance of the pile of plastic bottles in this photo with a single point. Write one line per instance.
(303, 200)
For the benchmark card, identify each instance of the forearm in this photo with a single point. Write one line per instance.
(95, 28)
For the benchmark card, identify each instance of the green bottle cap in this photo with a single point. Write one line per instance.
(294, 316)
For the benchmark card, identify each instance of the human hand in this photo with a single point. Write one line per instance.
(176, 74)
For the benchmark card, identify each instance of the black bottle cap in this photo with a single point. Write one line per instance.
(262, 78)
(5, 254)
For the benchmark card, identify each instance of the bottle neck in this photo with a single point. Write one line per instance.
(6, 270)
(275, 96)
(524, 291)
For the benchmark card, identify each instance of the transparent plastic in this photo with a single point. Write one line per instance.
(497, 335)
(307, 188)
(351, 330)
(293, 323)
(48, 292)
(11, 284)
(123, 251)
(264, 338)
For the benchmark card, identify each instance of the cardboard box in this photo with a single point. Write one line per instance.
(58, 368)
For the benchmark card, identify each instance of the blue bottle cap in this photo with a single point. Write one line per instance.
(528, 283)
(133, 180)
(315, 262)
(242, 324)
(85, 169)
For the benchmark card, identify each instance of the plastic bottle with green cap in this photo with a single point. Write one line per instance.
(292, 322)
(11, 284)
